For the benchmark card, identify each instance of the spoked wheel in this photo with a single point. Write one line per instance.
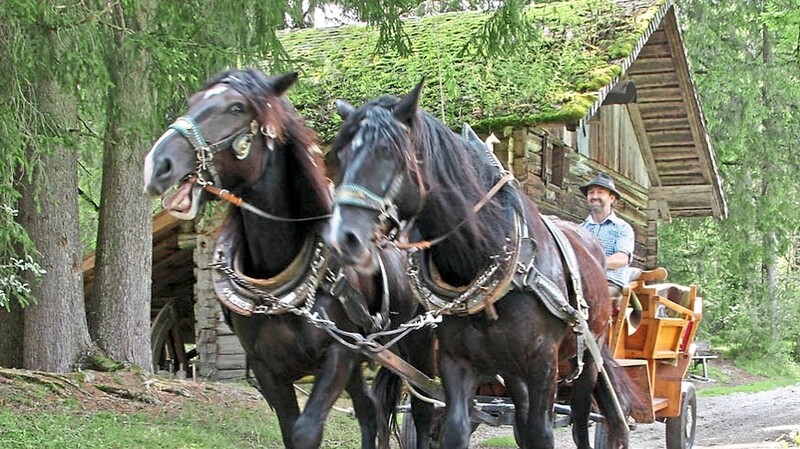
(600, 431)
(600, 434)
(681, 429)
(408, 431)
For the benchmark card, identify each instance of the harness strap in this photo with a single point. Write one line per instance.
(530, 278)
(341, 284)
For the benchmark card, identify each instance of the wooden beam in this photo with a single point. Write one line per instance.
(680, 192)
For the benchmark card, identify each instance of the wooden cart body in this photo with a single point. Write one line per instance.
(658, 354)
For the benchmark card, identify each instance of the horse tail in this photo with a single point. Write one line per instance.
(387, 387)
(629, 400)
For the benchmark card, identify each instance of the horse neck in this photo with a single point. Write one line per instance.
(271, 244)
(457, 258)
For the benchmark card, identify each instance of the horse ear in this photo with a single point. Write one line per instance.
(344, 109)
(281, 83)
(407, 107)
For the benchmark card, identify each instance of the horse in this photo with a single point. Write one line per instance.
(499, 273)
(279, 286)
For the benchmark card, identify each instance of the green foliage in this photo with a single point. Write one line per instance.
(748, 88)
(561, 54)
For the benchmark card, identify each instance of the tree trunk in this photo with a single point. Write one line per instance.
(55, 335)
(12, 323)
(770, 260)
(120, 308)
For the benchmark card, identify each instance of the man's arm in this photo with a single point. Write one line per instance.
(617, 260)
(623, 248)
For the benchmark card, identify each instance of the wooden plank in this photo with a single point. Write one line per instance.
(682, 179)
(671, 138)
(164, 223)
(658, 37)
(644, 144)
(661, 124)
(678, 191)
(651, 65)
(660, 93)
(648, 80)
(655, 50)
(665, 109)
(673, 153)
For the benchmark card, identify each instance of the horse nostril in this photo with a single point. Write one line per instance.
(163, 169)
(352, 243)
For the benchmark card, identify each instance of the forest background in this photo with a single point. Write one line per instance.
(86, 85)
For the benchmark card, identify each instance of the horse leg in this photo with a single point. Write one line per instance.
(537, 430)
(460, 383)
(329, 383)
(280, 396)
(364, 405)
(519, 395)
(580, 403)
(420, 351)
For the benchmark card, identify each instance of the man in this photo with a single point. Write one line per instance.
(615, 234)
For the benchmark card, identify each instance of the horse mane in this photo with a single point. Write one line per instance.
(290, 129)
(450, 167)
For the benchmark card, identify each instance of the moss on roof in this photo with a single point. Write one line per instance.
(553, 77)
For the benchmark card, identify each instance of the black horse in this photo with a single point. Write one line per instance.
(505, 312)
(280, 288)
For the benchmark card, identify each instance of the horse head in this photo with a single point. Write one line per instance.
(223, 139)
(379, 181)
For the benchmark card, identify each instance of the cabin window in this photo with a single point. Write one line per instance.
(554, 164)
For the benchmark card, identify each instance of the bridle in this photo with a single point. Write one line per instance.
(357, 195)
(240, 141)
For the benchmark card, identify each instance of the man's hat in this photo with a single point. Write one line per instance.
(601, 180)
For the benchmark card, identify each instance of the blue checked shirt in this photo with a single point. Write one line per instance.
(616, 235)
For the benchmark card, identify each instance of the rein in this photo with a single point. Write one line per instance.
(227, 195)
(426, 244)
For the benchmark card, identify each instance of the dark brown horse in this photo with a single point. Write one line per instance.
(505, 312)
(241, 135)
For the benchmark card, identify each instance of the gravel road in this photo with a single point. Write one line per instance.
(763, 420)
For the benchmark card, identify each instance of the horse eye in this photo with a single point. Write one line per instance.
(236, 109)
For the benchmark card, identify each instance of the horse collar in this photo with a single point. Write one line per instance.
(481, 294)
(291, 289)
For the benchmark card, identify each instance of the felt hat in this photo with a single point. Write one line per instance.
(601, 180)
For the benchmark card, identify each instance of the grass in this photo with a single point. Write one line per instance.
(71, 422)
(507, 441)
(767, 375)
(212, 426)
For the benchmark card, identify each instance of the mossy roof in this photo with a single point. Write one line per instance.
(553, 76)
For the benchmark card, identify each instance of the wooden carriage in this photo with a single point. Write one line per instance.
(658, 352)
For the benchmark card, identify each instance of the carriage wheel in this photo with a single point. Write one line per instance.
(168, 351)
(600, 432)
(681, 429)
(600, 435)
(408, 433)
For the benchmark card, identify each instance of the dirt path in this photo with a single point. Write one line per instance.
(763, 420)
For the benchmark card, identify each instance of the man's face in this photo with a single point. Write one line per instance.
(599, 199)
